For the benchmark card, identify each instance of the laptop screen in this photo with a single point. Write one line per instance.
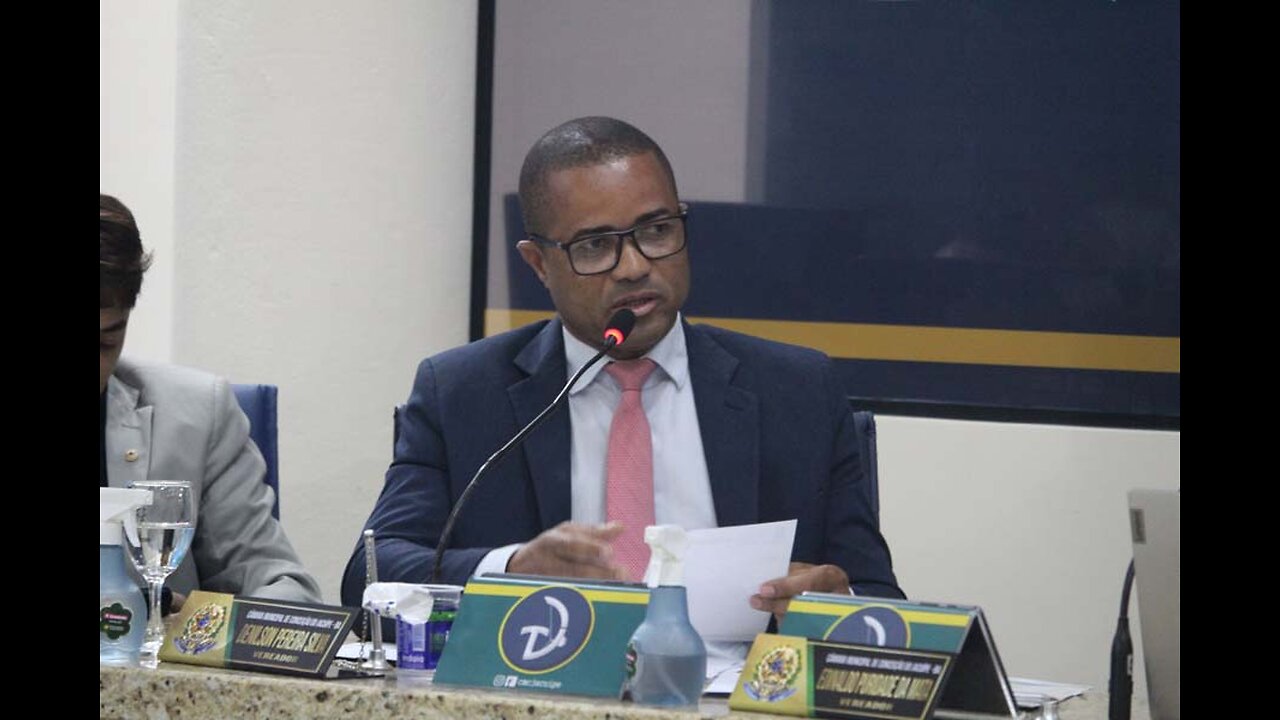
(1155, 519)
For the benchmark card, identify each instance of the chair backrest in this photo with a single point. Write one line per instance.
(259, 403)
(865, 425)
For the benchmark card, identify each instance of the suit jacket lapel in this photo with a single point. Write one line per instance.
(128, 435)
(729, 419)
(546, 449)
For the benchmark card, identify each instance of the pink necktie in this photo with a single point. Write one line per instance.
(629, 467)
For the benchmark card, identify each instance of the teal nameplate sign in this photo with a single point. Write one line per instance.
(547, 635)
(978, 684)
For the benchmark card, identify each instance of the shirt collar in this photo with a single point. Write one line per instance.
(669, 354)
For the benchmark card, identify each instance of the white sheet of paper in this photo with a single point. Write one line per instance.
(724, 567)
(724, 665)
(724, 681)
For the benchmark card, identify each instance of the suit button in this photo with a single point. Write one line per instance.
(130, 455)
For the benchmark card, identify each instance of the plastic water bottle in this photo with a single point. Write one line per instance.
(122, 611)
(666, 658)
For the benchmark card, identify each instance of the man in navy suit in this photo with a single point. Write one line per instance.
(743, 430)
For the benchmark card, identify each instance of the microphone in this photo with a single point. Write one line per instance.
(1120, 687)
(616, 332)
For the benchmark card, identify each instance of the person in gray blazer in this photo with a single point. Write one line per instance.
(166, 422)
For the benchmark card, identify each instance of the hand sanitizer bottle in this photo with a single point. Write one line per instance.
(122, 612)
(666, 658)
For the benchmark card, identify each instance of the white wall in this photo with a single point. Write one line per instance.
(1030, 522)
(322, 224)
(323, 207)
(137, 73)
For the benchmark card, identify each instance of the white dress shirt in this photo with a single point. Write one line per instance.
(681, 483)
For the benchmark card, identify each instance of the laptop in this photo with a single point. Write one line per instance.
(1155, 519)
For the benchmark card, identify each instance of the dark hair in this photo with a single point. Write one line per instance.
(582, 142)
(121, 261)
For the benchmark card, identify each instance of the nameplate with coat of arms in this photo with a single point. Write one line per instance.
(221, 630)
(893, 647)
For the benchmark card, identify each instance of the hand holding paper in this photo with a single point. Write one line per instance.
(774, 595)
(724, 566)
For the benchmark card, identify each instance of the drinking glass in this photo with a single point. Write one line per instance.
(164, 530)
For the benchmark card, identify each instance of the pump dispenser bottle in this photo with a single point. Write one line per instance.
(666, 658)
(122, 612)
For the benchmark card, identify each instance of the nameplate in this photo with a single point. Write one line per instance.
(978, 683)
(542, 635)
(797, 676)
(221, 630)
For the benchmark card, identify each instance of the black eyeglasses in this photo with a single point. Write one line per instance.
(600, 252)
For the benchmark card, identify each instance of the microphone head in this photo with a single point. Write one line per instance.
(619, 327)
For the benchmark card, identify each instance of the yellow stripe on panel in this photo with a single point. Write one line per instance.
(500, 321)
(614, 596)
(957, 619)
(973, 346)
(919, 343)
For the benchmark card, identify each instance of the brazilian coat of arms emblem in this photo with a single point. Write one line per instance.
(773, 678)
(201, 630)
